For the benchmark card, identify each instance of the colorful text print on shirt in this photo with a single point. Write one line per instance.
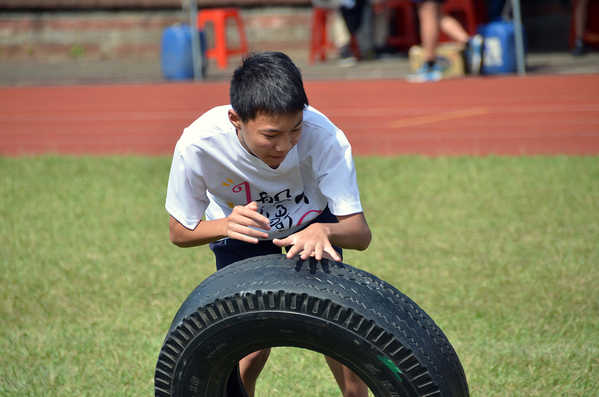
(283, 195)
(280, 218)
(239, 188)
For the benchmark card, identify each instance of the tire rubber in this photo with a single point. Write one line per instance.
(331, 308)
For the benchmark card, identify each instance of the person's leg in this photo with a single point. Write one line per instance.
(580, 22)
(452, 28)
(429, 13)
(250, 368)
(580, 18)
(349, 383)
(339, 31)
(473, 50)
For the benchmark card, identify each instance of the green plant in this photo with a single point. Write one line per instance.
(77, 51)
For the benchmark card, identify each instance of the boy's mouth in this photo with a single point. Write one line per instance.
(276, 161)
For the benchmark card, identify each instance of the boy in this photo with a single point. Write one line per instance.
(268, 172)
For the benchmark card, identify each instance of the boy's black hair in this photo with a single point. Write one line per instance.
(267, 83)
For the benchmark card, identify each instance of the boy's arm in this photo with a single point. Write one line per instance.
(238, 226)
(352, 232)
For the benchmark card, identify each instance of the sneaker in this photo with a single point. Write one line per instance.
(474, 54)
(580, 48)
(346, 57)
(426, 73)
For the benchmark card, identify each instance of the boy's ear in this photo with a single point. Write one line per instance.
(234, 119)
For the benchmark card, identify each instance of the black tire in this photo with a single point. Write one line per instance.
(332, 308)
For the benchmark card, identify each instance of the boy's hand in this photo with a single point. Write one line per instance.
(313, 241)
(243, 219)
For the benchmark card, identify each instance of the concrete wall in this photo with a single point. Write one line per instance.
(138, 4)
(110, 34)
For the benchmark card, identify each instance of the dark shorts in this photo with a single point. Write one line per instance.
(229, 251)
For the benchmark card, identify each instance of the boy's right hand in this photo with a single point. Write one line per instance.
(243, 220)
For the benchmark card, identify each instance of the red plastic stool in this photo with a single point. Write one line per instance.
(406, 24)
(319, 42)
(470, 13)
(218, 17)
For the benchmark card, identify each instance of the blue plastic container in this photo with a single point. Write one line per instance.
(499, 48)
(176, 58)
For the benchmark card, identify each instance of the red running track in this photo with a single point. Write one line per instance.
(473, 116)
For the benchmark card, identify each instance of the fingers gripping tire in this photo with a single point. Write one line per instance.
(332, 308)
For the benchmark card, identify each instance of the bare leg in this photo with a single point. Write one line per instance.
(349, 383)
(429, 13)
(250, 367)
(580, 18)
(451, 27)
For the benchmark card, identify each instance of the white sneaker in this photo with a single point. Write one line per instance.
(426, 74)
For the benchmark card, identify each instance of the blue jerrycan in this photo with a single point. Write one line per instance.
(499, 48)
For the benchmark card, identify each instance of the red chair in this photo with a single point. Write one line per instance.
(405, 23)
(218, 17)
(320, 44)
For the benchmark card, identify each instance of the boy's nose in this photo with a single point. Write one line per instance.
(283, 144)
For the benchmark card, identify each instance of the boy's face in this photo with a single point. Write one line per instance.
(269, 138)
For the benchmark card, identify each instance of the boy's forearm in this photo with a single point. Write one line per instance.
(352, 232)
(206, 232)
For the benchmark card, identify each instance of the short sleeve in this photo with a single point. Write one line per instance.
(337, 176)
(186, 198)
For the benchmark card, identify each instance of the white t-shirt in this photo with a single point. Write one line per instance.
(212, 172)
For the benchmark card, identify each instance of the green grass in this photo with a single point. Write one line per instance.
(501, 251)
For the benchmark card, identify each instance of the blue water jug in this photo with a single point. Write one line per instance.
(499, 48)
(176, 59)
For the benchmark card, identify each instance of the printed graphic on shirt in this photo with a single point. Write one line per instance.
(279, 218)
(239, 188)
(276, 207)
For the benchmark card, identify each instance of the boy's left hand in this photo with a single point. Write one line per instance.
(313, 241)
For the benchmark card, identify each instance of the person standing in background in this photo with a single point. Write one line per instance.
(580, 23)
(432, 22)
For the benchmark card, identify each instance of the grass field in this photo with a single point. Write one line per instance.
(503, 252)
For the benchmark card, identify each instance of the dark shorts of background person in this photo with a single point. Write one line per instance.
(229, 251)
